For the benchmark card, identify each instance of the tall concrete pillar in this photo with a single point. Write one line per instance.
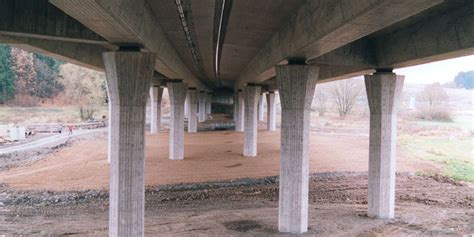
(193, 108)
(235, 106)
(383, 90)
(202, 107)
(239, 122)
(186, 106)
(209, 103)
(128, 79)
(109, 125)
(261, 110)
(177, 93)
(156, 93)
(251, 95)
(271, 111)
(296, 84)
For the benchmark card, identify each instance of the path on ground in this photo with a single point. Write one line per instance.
(209, 156)
(47, 141)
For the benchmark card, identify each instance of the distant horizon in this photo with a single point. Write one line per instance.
(441, 71)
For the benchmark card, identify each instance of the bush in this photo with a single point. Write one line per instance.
(435, 114)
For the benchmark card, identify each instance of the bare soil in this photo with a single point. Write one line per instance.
(424, 206)
(209, 156)
(215, 191)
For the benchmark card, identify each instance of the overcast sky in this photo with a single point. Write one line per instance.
(442, 71)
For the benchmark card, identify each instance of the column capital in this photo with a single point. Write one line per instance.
(383, 90)
(296, 84)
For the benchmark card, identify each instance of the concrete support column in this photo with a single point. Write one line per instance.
(383, 90)
(251, 95)
(177, 93)
(296, 84)
(271, 111)
(156, 93)
(261, 110)
(239, 120)
(186, 107)
(235, 106)
(202, 107)
(193, 110)
(128, 80)
(209, 103)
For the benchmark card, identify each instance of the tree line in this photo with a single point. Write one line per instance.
(27, 77)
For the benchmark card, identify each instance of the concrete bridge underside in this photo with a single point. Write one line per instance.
(245, 51)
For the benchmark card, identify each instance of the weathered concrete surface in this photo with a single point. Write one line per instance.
(209, 103)
(271, 111)
(202, 107)
(261, 110)
(38, 19)
(193, 110)
(240, 111)
(383, 90)
(177, 93)
(321, 26)
(251, 95)
(296, 85)
(130, 22)
(439, 37)
(186, 106)
(156, 92)
(128, 81)
(82, 54)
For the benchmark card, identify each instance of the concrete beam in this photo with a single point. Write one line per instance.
(128, 77)
(439, 37)
(360, 54)
(82, 54)
(40, 19)
(130, 22)
(383, 91)
(319, 27)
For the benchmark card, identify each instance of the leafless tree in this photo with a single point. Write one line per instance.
(433, 95)
(320, 101)
(345, 93)
(434, 100)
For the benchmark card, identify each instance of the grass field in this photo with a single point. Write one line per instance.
(456, 155)
(451, 145)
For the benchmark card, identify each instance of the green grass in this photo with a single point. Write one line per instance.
(37, 115)
(456, 155)
(461, 121)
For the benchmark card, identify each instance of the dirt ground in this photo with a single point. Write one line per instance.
(209, 156)
(215, 191)
(424, 206)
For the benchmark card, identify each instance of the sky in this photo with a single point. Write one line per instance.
(441, 71)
